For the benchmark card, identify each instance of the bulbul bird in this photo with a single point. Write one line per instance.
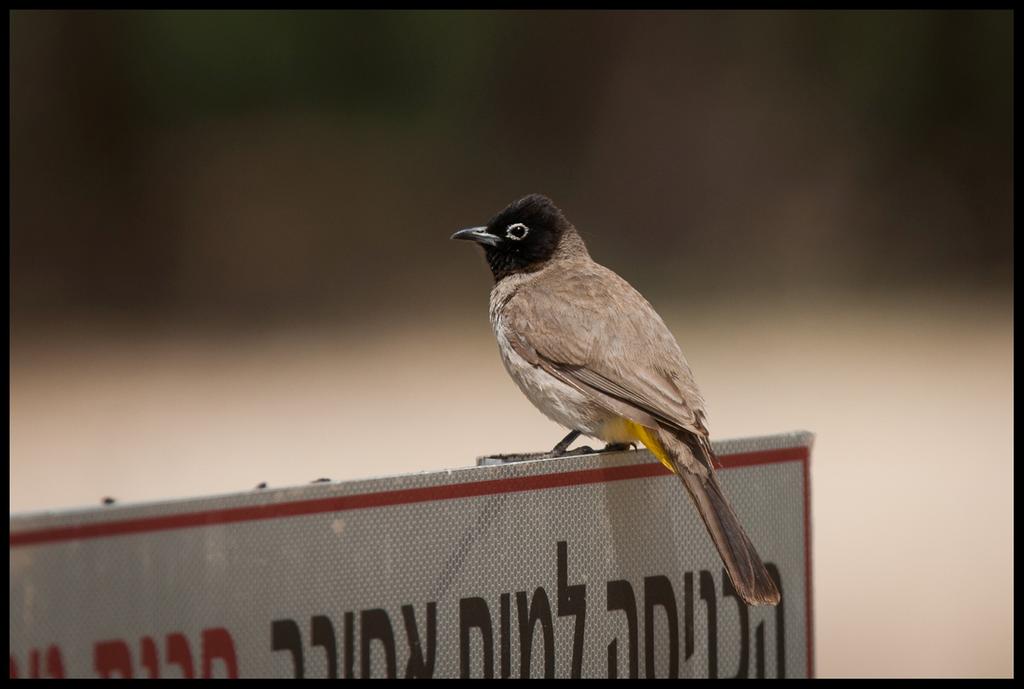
(593, 355)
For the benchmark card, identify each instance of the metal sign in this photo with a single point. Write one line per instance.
(594, 566)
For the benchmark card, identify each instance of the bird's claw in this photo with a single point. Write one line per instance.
(582, 450)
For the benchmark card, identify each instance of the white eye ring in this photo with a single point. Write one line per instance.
(517, 226)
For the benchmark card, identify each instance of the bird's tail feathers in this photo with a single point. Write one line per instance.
(748, 574)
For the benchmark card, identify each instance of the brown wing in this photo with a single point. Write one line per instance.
(588, 327)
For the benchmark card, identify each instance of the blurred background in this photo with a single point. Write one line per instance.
(230, 263)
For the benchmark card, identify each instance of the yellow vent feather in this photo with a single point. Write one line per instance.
(634, 431)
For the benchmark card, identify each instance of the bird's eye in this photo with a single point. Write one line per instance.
(517, 231)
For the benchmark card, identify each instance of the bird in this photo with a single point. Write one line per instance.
(592, 354)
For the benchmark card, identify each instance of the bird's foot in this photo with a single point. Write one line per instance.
(581, 450)
(563, 444)
(618, 447)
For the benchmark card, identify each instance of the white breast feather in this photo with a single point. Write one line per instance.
(558, 401)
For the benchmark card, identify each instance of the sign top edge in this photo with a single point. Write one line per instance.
(724, 448)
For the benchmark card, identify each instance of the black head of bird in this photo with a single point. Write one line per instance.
(522, 237)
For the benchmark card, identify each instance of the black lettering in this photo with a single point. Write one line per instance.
(728, 591)
(322, 634)
(376, 625)
(505, 625)
(350, 653)
(418, 665)
(759, 649)
(688, 614)
(539, 611)
(572, 601)
(285, 636)
(658, 592)
(707, 594)
(780, 624)
(473, 613)
(620, 597)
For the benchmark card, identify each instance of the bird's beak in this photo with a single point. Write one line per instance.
(477, 234)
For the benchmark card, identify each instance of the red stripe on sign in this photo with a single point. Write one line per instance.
(406, 496)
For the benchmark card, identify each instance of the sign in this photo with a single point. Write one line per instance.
(595, 565)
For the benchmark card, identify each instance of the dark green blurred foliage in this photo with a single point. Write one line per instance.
(233, 167)
(197, 65)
